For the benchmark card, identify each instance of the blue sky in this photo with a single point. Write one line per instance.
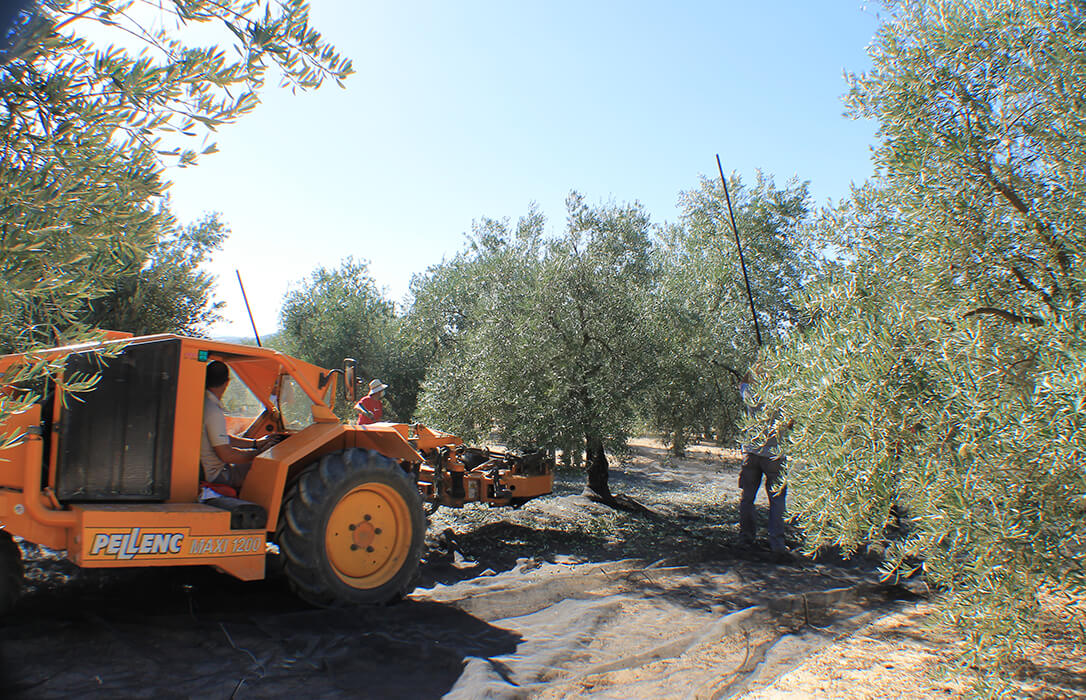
(463, 110)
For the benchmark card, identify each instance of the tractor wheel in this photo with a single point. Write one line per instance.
(351, 530)
(11, 572)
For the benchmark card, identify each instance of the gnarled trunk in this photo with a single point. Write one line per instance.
(598, 470)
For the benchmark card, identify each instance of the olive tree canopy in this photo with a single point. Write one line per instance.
(96, 100)
(939, 399)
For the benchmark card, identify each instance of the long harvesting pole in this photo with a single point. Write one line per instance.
(250, 311)
(742, 263)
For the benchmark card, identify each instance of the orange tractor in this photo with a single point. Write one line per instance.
(113, 475)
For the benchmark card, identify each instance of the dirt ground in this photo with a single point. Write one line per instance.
(561, 598)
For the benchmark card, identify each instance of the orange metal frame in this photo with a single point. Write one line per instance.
(181, 530)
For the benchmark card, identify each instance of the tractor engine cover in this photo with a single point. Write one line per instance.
(116, 442)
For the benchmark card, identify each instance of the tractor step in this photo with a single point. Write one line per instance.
(243, 514)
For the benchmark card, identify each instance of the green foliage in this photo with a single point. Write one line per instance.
(939, 395)
(567, 342)
(169, 293)
(451, 304)
(339, 313)
(700, 316)
(591, 343)
(99, 97)
(123, 69)
(540, 340)
(465, 314)
(74, 206)
(996, 166)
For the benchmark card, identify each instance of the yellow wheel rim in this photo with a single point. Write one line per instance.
(368, 535)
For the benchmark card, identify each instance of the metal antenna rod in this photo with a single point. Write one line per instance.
(250, 311)
(742, 263)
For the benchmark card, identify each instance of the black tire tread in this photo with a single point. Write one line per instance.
(11, 572)
(300, 538)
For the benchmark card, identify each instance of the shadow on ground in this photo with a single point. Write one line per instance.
(193, 633)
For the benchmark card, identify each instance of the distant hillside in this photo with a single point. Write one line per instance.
(266, 340)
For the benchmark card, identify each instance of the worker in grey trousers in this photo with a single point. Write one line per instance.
(762, 457)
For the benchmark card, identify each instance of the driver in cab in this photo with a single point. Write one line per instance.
(225, 458)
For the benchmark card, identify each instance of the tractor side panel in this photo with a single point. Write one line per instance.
(268, 476)
(385, 438)
(13, 458)
(116, 442)
(112, 535)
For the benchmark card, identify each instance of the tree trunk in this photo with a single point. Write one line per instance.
(678, 442)
(599, 490)
(598, 471)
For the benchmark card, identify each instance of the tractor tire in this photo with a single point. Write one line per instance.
(351, 531)
(11, 572)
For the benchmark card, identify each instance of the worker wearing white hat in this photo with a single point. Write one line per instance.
(370, 409)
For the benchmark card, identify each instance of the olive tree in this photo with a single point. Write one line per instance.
(552, 351)
(465, 310)
(337, 313)
(701, 320)
(938, 398)
(90, 124)
(169, 292)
